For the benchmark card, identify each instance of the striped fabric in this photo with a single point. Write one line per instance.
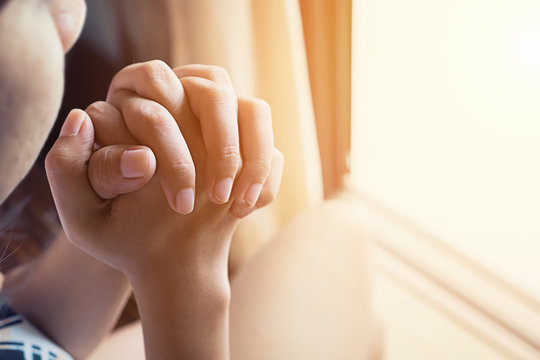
(19, 340)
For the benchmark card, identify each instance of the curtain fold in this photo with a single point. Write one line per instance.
(327, 28)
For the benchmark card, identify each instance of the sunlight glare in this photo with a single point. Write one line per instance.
(527, 47)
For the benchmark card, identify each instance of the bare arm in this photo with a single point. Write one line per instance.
(308, 295)
(172, 248)
(70, 296)
(184, 303)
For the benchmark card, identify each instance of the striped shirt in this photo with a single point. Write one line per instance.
(19, 340)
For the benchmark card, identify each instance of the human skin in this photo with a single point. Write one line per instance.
(286, 268)
(306, 295)
(34, 36)
(27, 113)
(176, 262)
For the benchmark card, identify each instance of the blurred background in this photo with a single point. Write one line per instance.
(446, 136)
(424, 114)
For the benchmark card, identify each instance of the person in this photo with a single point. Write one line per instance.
(149, 186)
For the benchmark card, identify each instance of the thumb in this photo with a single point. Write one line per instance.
(120, 169)
(66, 165)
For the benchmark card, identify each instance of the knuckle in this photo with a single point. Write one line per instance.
(186, 168)
(259, 167)
(51, 161)
(221, 95)
(217, 73)
(155, 72)
(152, 116)
(211, 72)
(151, 111)
(57, 160)
(99, 168)
(218, 70)
(230, 155)
(153, 67)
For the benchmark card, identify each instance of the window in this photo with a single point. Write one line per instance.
(446, 136)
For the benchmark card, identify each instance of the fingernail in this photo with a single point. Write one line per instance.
(73, 123)
(222, 190)
(185, 201)
(252, 194)
(134, 163)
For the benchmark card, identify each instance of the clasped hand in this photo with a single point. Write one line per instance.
(162, 170)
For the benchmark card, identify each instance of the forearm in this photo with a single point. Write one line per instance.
(184, 310)
(70, 296)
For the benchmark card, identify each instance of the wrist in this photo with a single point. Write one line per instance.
(200, 280)
(182, 258)
(184, 311)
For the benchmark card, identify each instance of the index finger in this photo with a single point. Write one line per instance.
(153, 126)
(161, 99)
(153, 80)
